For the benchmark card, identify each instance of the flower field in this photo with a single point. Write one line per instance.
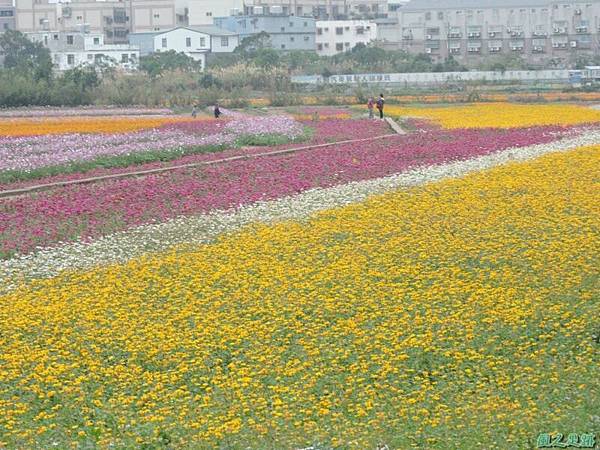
(500, 115)
(437, 289)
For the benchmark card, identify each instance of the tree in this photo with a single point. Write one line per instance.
(251, 45)
(266, 58)
(25, 56)
(158, 63)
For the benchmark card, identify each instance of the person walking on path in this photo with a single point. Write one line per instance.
(194, 112)
(217, 111)
(370, 105)
(380, 103)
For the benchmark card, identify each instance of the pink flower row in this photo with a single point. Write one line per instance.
(324, 131)
(89, 211)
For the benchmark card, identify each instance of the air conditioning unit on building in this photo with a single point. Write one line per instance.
(429, 37)
(428, 50)
(578, 12)
(563, 45)
(555, 45)
(276, 9)
(573, 44)
(494, 49)
(492, 33)
(258, 10)
(455, 50)
(538, 49)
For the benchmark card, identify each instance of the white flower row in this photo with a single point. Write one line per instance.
(126, 245)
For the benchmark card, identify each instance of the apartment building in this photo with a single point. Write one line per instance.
(321, 9)
(470, 30)
(113, 18)
(337, 36)
(196, 42)
(70, 49)
(286, 32)
(7, 15)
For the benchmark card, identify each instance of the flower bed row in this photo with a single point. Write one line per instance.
(89, 211)
(503, 115)
(451, 316)
(38, 156)
(163, 147)
(82, 111)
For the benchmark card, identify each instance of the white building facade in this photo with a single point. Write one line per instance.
(69, 50)
(338, 36)
(203, 12)
(196, 42)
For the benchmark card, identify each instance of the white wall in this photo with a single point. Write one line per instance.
(328, 42)
(81, 58)
(218, 44)
(202, 12)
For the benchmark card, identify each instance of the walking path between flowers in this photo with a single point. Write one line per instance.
(142, 173)
(183, 231)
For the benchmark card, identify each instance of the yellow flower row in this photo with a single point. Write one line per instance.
(500, 115)
(459, 314)
(63, 125)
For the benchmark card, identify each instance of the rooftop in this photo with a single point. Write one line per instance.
(472, 4)
(206, 29)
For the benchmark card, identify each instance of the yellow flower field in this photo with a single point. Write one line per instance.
(500, 115)
(63, 125)
(460, 314)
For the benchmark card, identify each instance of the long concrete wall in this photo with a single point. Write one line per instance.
(437, 77)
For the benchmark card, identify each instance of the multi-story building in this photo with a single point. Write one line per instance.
(70, 49)
(196, 42)
(470, 30)
(114, 18)
(285, 32)
(203, 12)
(320, 9)
(337, 36)
(7, 15)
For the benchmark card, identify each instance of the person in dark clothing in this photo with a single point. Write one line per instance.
(380, 103)
(217, 111)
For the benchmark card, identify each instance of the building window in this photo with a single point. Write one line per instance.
(440, 15)
(124, 58)
(157, 16)
(70, 40)
(90, 56)
(209, 14)
(79, 17)
(96, 41)
(339, 30)
(319, 46)
(282, 28)
(55, 37)
(305, 24)
(319, 31)
(202, 42)
(339, 46)
(164, 42)
(6, 13)
(306, 38)
(291, 38)
(45, 39)
(427, 15)
(291, 24)
(224, 42)
(188, 41)
(70, 60)
(282, 46)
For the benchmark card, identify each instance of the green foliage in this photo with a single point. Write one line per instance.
(158, 63)
(24, 56)
(252, 44)
(266, 58)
